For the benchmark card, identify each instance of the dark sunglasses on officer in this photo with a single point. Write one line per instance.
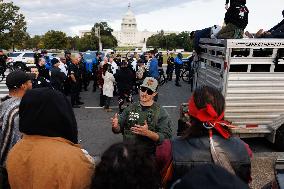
(144, 89)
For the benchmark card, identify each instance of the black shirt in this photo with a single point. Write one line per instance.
(43, 72)
(40, 82)
(74, 69)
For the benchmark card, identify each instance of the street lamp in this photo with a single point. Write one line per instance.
(98, 34)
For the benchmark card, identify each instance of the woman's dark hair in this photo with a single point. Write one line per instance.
(105, 68)
(126, 166)
(202, 96)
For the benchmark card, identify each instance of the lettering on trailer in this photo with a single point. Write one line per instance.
(260, 44)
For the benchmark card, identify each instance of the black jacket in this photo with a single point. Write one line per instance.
(193, 151)
(57, 78)
(237, 15)
(125, 79)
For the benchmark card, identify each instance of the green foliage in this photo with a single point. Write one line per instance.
(171, 41)
(88, 42)
(107, 39)
(12, 26)
(55, 40)
(34, 42)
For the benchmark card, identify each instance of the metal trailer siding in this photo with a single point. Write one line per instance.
(252, 98)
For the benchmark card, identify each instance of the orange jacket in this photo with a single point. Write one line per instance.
(39, 162)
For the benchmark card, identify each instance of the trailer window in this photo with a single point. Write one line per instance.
(279, 68)
(240, 53)
(216, 65)
(262, 52)
(260, 68)
(238, 68)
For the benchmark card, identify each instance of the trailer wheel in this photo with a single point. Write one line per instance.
(279, 138)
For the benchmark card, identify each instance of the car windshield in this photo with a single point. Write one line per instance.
(14, 54)
(28, 55)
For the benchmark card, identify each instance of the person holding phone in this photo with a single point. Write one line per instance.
(145, 122)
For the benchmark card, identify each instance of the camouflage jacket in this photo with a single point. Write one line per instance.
(157, 119)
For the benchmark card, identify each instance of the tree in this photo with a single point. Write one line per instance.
(34, 42)
(88, 42)
(55, 40)
(156, 40)
(72, 42)
(171, 41)
(107, 39)
(184, 41)
(12, 26)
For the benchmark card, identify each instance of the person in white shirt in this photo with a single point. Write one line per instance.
(62, 65)
(134, 64)
(113, 64)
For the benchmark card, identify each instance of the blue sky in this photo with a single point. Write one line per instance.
(71, 16)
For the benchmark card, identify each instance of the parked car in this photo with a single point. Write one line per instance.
(22, 59)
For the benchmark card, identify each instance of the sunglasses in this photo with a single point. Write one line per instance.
(144, 89)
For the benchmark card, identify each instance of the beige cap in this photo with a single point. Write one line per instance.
(150, 83)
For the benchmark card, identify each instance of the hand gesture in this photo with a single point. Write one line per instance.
(114, 121)
(140, 129)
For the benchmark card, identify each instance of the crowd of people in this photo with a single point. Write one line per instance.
(111, 74)
(39, 143)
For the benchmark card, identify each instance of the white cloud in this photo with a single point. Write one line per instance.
(71, 16)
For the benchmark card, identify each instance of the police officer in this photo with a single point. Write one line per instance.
(170, 67)
(74, 83)
(43, 71)
(3, 59)
(57, 77)
(47, 59)
(146, 122)
(68, 57)
(39, 81)
(86, 73)
(178, 67)
(68, 62)
(96, 63)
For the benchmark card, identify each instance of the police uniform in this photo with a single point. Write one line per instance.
(157, 119)
(40, 82)
(74, 86)
(43, 72)
(85, 75)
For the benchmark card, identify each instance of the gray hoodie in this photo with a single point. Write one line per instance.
(9, 126)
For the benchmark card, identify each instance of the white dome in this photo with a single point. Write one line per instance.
(129, 21)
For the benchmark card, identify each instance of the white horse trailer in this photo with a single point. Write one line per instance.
(250, 74)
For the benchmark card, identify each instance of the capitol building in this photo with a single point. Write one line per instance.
(129, 36)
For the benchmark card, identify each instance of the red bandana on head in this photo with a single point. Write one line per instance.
(209, 116)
